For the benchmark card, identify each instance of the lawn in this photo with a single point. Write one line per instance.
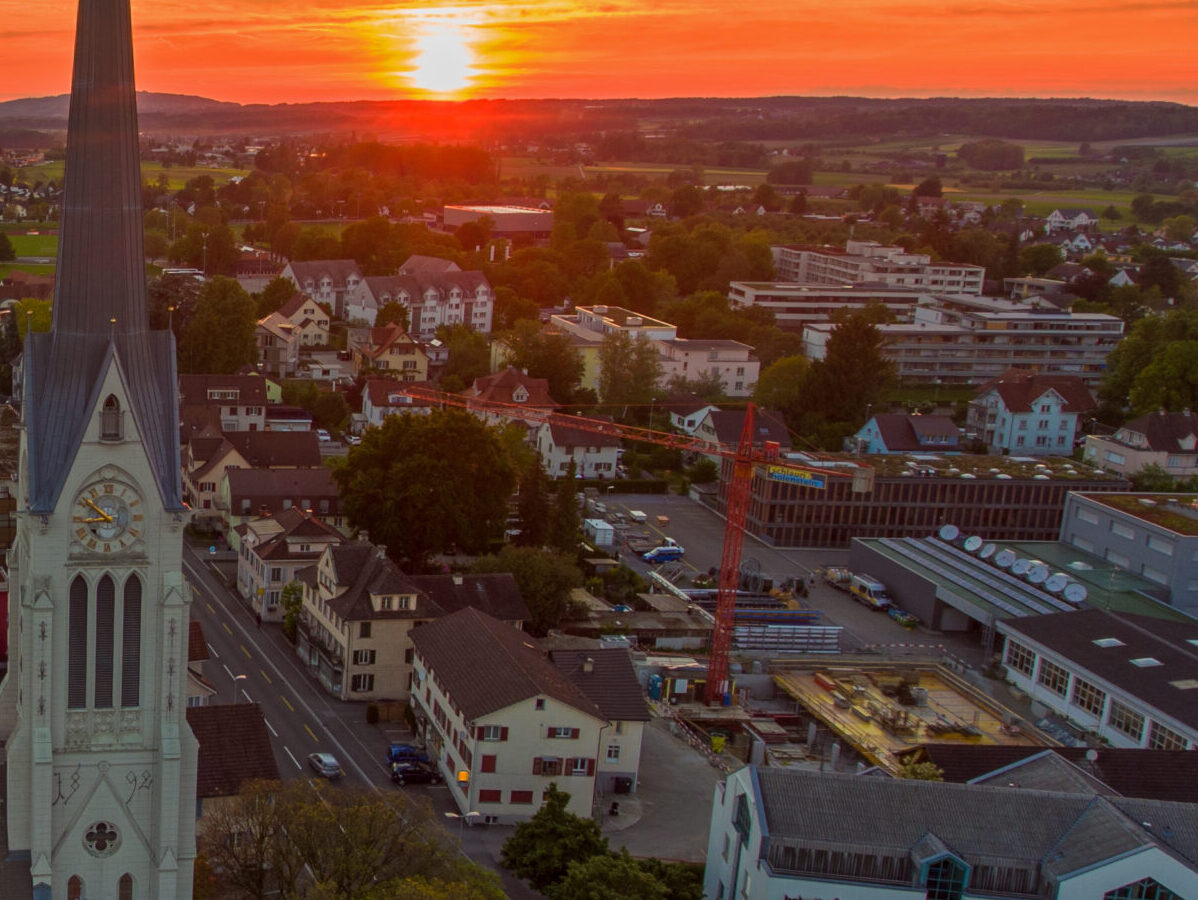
(177, 176)
(34, 244)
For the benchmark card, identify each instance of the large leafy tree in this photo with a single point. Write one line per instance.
(219, 339)
(422, 484)
(469, 356)
(629, 369)
(532, 505)
(545, 355)
(300, 840)
(1139, 368)
(542, 848)
(608, 877)
(545, 577)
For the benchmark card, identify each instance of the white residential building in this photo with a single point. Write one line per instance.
(594, 455)
(500, 720)
(1165, 439)
(1025, 413)
(869, 261)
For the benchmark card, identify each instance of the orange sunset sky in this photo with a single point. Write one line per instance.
(269, 51)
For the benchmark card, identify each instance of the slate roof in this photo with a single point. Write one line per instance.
(1020, 389)
(611, 684)
(1150, 774)
(768, 426)
(265, 449)
(380, 390)
(1164, 431)
(268, 488)
(486, 665)
(365, 570)
(901, 433)
(419, 264)
(1062, 831)
(495, 594)
(197, 647)
(1071, 636)
(569, 436)
(193, 389)
(234, 748)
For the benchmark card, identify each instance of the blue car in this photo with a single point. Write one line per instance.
(406, 753)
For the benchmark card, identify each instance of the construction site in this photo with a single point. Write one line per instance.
(846, 711)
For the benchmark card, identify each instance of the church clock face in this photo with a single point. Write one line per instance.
(108, 517)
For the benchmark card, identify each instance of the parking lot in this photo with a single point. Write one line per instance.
(701, 532)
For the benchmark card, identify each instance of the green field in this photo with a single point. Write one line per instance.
(177, 176)
(34, 244)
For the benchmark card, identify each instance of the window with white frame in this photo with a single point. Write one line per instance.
(1162, 738)
(492, 733)
(363, 657)
(1160, 545)
(1086, 696)
(560, 731)
(1126, 720)
(1020, 658)
(1053, 677)
(613, 752)
(362, 683)
(578, 766)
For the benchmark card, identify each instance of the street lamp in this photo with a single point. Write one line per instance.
(462, 817)
(236, 678)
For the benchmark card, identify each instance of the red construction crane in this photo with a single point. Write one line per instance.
(744, 458)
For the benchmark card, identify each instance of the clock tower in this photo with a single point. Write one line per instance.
(101, 765)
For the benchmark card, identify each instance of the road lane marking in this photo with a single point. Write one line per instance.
(311, 732)
(246, 652)
(267, 677)
(211, 608)
(227, 628)
(293, 759)
(271, 727)
(248, 698)
(212, 650)
(287, 703)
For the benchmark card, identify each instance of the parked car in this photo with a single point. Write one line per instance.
(353, 440)
(413, 772)
(323, 435)
(403, 753)
(325, 764)
(665, 553)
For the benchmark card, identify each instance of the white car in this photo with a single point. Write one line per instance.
(322, 435)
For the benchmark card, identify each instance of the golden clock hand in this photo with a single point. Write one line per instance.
(95, 519)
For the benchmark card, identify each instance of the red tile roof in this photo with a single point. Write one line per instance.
(234, 748)
(1021, 388)
(500, 387)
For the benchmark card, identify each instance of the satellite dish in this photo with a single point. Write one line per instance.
(1004, 559)
(1075, 593)
(1021, 566)
(987, 551)
(1038, 574)
(949, 533)
(972, 543)
(1056, 583)
(1091, 755)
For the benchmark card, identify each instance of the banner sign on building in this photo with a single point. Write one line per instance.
(793, 475)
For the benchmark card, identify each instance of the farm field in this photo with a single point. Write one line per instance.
(177, 176)
(34, 244)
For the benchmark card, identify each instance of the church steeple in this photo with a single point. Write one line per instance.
(101, 258)
(100, 311)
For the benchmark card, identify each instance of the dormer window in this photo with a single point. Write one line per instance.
(110, 420)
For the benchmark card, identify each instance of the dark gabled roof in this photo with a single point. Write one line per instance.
(381, 390)
(294, 305)
(363, 570)
(499, 387)
(268, 488)
(767, 426)
(1065, 832)
(1071, 635)
(486, 665)
(495, 594)
(902, 432)
(418, 264)
(338, 270)
(234, 748)
(266, 449)
(193, 389)
(611, 682)
(1164, 431)
(569, 436)
(1020, 389)
(1149, 774)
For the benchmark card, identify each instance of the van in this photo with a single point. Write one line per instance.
(664, 553)
(870, 591)
(637, 516)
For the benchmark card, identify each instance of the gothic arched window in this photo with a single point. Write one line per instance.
(131, 644)
(124, 887)
(77, 645)
(75, 888)
(105, 628)
(110, 419)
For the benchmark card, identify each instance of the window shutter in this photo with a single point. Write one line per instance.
(503, 733)
(590, 767)
(536, 765)
(574, 732)
(478, 732)
(568, 769)
(488, 763)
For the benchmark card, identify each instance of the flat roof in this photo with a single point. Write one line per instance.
(500, 209)
(1173, 512)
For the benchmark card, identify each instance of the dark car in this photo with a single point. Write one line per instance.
(406, 753)
(412, 772)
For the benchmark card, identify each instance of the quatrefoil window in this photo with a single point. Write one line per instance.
(102, 839)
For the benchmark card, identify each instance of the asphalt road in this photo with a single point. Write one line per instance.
(257, 665)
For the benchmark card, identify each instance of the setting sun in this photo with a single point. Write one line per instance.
(444, 60)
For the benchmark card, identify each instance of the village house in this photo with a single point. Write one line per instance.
(272, 550)
(390, 349)
(1165, 439)
(385, 397)
(593, 454)
(245, 494)
(327, 281)
(1024, 413)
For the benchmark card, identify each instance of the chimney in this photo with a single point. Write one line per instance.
(457, 579)
(588, 666)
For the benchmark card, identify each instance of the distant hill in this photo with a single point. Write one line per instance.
(747, 119)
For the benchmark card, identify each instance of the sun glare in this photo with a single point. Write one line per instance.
(444, 61)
